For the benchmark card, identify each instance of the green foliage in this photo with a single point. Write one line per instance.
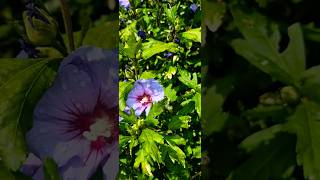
(154, 47)
(192, 34)
(213, 118)
(270, 161)
(261, 47)
(261, 92)
(5, 173)
(22, 84)
(102, 35)
(304, 123)
(311, 82)
(165, 144)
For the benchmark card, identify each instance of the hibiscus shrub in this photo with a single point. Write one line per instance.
(160, 98)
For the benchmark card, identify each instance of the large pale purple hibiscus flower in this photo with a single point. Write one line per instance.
(76, 120)
(144, 93)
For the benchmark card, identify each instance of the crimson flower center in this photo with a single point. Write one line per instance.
(144, 99)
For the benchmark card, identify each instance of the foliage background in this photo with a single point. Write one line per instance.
(260, 84)
(23, 82)
(165, 144)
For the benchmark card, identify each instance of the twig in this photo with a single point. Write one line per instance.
(67, 23)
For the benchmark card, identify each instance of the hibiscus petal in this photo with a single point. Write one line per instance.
(111, 167)
(31, 165)
(67, 150)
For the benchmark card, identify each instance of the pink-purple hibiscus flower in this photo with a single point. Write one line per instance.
(124, 3)
(144, 93)
(76, 120)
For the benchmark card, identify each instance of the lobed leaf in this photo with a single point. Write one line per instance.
(213, 117)
(305, 123)
(260, 47)
(153, 47)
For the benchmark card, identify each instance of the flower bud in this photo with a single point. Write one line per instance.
(289, 95)
(142, 35)
(41, 28)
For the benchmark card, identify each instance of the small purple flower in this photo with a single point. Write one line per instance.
(124, 3)
(168, 54)
(142, 35)
(143, 94)
(193, 7)
(177, 40)
(76, 120)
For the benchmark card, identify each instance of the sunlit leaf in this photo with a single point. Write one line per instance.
(153, 47)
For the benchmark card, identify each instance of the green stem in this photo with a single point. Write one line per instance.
(67, 23)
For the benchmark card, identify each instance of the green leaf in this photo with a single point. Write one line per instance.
(131, 118)
(128, 31)
(172, 13)
(270, 161)
(123, 140)
(311, 83)
(105, 35)
(178, 122)
(262, 3)
(133, 143)
(260, 138)
(22, 84)
(155, 110)
(192, 34)
(149, 135)
(185, 78)
(148, 152)
(176, 139)
(131, 46)
(305, 123)
(148, 75)
(153, 47)
(178, 155)
(124, 89)
(197, 152)
(5, 173)
(213, 13)
(197, 100)
(275, 112)
(213, 117)
(260, 47)
(170, 93)
(50, 169)
(141, 159)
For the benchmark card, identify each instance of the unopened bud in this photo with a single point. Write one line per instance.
(41, 28)
(289, 95)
